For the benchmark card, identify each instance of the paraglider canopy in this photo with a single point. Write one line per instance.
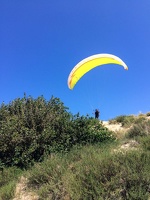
(91, 62)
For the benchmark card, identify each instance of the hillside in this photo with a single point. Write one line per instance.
(125, 144)
(48, 153)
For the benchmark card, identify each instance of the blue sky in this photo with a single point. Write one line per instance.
(42, 40)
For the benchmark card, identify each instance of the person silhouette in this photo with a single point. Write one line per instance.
(97, 114)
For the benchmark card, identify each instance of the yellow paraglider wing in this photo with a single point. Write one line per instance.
(89, 63)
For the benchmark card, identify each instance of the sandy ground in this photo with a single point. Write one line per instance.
(22, 193)
(113, 127)
(126, 145)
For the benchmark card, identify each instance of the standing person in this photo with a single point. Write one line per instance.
(96, 114)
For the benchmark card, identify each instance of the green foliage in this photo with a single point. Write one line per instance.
(8, 179)
(93, 172)
(88, 130)
(111, 177)
(7, 191)
(145, 142)
(31, 128)
(26, 126)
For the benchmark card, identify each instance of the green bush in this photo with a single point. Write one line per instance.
(31, 128)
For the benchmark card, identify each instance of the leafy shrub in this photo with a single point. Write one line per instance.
(28, 127)
(88, 130)
(31, 128)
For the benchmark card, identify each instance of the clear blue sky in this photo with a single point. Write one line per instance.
(42, 40)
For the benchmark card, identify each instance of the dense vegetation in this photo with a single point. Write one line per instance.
(94, 172)
(71, 157)
(31, 129)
